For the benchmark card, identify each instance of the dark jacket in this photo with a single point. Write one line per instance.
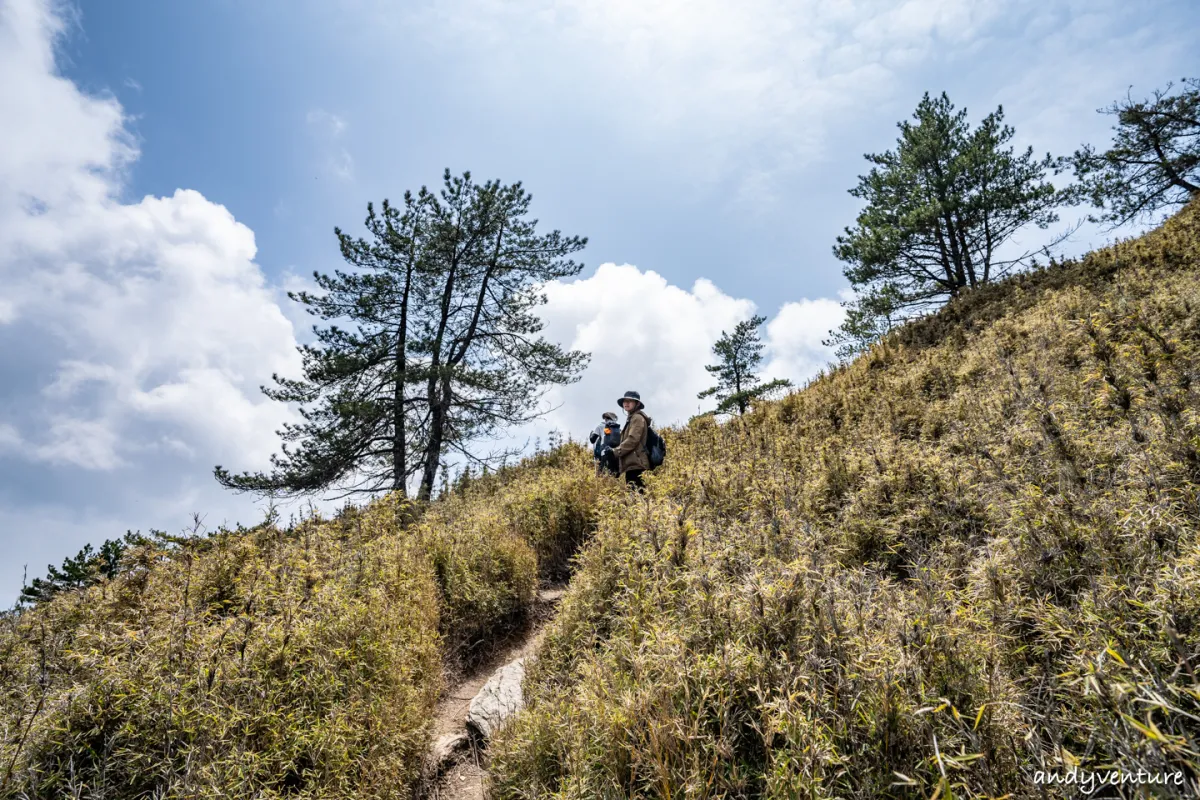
(596, 437)
(632, 453)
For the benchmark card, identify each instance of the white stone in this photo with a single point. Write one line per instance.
(498, 700)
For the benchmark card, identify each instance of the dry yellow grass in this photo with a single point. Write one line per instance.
(968, 555)
(277, 663)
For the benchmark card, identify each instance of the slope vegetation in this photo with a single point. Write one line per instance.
(969, 555)
(271, 662)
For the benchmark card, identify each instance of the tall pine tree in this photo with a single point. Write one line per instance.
(740, 354)
(940, 210)
(487, 364)
(363, 428)
(441, 349)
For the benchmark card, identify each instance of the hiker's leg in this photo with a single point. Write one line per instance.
(633, 477)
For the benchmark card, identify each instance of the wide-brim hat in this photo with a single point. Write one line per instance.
(631, 396)
(609, 415)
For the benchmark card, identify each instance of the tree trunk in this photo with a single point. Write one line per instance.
(433, 455)
(960, 277)
(968, 265)
(737, 388)
(440, 401)
(947, 263)
(437, 417)
(399, 431)
(989, 246)
(463, 345)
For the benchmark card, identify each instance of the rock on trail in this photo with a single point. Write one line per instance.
(480, 703)
(498, 700)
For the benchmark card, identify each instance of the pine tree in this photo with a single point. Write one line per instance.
(364, 425)
(1154, 161)
(85, 568)
(738, 385)
(444, 349)
(940, 209)
(487, 365)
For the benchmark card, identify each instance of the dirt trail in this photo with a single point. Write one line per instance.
(456, 754)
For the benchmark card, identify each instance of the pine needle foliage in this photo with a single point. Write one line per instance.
(1153, 163)
(941, 210)
(364, 425)
(85, 568)
(968, 555)
(740, 354)
(442, 349)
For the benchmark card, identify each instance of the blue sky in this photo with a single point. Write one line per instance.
(167, 170)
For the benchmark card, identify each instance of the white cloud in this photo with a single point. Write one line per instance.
(87, 443)
(290, 281)
(157, 304)
(73, 374)
(145, 328)
(67, 148)
(10, 438)
(160, 305)
(727, 89)
(643, 333)
(739, 98)
(794, 338)
(655, 338)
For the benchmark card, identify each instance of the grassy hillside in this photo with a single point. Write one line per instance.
(299, 662)
(970, 554)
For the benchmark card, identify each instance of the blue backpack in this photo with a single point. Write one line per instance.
(656, 447)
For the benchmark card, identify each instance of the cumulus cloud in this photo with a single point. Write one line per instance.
(741, 97)
(133, 336)
(159, 309)
(653, 337)
(644, 334)
(794, 338)
(745, 89)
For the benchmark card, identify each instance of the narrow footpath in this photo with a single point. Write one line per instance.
(457, 764)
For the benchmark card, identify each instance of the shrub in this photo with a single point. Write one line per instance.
(486, 574)
(493, 538)
(555, 508)
(273, 663)
(303, 662)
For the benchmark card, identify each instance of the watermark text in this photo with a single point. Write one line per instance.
(1088, 782)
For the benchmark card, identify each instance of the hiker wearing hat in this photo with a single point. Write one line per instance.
(604, 439)
(632, 457)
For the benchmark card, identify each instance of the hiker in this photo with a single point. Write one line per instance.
(632, 456)
(604, 439)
